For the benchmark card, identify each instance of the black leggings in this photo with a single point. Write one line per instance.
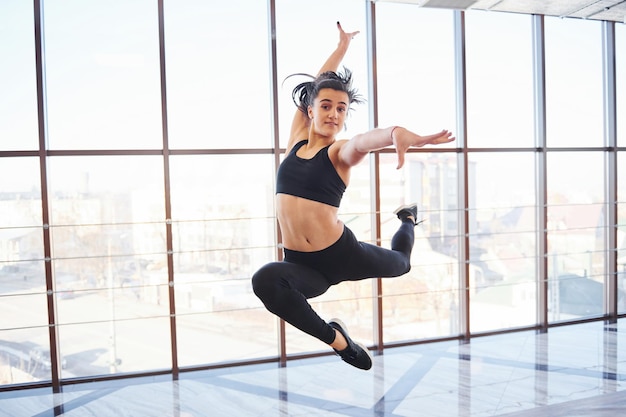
(284, 287)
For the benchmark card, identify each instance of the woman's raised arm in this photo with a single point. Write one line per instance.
(300, 123)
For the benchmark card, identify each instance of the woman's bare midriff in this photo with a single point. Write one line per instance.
(306, 225)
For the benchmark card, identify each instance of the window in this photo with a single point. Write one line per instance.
(620, 59)
(412, 91)
(576, 234)
(499, 80)
(133, 221)
(620, 45)
(217, 61)
(24, 321)
(102, 75)
(223, 230)
(573, 50)
(109, 263)
(502, 240)
(18, 106)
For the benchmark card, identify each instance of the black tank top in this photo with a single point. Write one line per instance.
(314, 179)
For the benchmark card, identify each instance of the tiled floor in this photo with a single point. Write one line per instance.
(577, 370)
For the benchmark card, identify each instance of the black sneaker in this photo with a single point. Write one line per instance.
(355, 354)
(406, 211)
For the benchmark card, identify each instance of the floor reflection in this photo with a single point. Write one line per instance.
(569, 371)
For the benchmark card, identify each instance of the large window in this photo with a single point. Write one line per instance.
(127, 242)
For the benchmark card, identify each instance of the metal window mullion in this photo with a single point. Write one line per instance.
(374, 160)
(610, 139)
(168, 200)
(460, 70)
(541, 214)
(43, 167)
(271, 14)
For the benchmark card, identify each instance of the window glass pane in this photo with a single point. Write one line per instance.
(502, 219)
(620, 60)
(499, 80)
(111, 347)
(21, 235)
(102, 74)
(424, 302)
(24, 353)
(414, 93)
(224, 229)
(217, 60)
(23, 303)
(18, 106)
(576, 234)
(573, 52)
(415, 68)
(621, 232)
(109, 262)
(106, 190)
(297, 55)
(20, 198)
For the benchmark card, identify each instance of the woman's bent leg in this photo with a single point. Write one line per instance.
(359, 260)
(404, 239)
(284, 288)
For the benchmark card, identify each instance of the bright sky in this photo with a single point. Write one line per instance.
(103, 85)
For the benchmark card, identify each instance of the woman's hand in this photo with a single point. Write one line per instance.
(404, 139)
(345, 37)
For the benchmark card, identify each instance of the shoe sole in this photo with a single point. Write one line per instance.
(407, 206)
(404, 207)
(359, 344)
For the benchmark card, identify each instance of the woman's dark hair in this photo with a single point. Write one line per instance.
(304, 93)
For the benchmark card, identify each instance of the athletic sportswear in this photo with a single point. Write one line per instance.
(313, 179)
(285, 286)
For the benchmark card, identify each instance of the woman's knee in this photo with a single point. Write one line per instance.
(265, 280)
(404, 267)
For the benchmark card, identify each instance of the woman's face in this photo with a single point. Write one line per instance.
(328, 112)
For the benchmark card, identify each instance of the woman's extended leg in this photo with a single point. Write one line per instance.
(284, 288)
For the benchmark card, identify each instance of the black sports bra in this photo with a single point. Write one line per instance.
(314, 179)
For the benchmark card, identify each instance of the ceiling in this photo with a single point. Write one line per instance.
(609, 10)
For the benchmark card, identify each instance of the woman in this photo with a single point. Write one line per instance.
(319, 249)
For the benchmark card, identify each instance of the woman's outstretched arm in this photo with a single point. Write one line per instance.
(353, 151)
